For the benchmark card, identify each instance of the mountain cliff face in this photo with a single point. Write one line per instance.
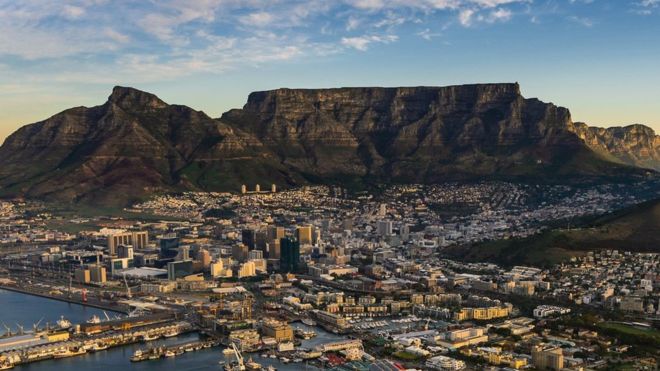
(135, 144)
(636, 145)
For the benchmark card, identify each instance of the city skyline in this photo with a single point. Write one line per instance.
(594, 57)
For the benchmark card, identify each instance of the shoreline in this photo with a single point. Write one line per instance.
(63, 299)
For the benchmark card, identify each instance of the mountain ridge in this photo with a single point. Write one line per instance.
(135, 144)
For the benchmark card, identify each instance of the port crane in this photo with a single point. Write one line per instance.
(35, 327)
(7, 329)
(240, 365)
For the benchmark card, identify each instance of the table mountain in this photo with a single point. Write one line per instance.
(135, 144)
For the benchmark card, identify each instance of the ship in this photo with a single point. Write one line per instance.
(308, 322)
(63, 323)
(69, 353)
(170, 334)
(252, 365)
(147, 337)
(303, 334)
(94, 320)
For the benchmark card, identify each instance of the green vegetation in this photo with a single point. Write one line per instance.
(406, 356)
(630, 334)
(636, 228)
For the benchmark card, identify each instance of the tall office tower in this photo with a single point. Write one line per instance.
(290, 254)
(249, 238)
(304, 235)
(261, 241)
(275, 233)
(405, 232)
(384, 228)
(239, 252)
(169, 245)
(125, 251)
(274, 250)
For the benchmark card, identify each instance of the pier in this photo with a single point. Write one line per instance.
(171, 351)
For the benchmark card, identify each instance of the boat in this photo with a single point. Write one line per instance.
(252, 365)
(94, 320)
(147, 337)
(273, 356)
(285, 360)
(228, 352)
(170, 334)
(137, 356)
(308, 322)
(63, 323)
(306, 335)
(297, 360)
(169, 353)
(69, 353)
(96, 347)
(271, 368)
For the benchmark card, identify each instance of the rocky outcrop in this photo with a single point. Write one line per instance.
(636, 145)
(135, 144)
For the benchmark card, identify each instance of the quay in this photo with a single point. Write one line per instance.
(64, 298)
(171, 351)
(80, 343)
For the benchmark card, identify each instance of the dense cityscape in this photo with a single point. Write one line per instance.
(324, 278)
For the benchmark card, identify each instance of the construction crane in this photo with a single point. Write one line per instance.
(20, 329)
(128, 289)
(426, 326)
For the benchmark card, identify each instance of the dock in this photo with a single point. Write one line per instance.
(171, 351)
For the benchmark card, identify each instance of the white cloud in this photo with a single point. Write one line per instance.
(583, 21)
(362, 42)
(258, 19)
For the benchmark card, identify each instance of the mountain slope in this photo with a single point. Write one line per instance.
(636, 228)
(135, 144)
(132, 145)
(636, 145)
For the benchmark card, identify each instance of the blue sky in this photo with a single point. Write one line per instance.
(599, 58)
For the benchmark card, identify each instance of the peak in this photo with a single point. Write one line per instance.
(127, 97)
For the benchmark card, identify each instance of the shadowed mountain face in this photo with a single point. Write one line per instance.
(135, 144)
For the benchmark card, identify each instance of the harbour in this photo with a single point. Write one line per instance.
(183, 348)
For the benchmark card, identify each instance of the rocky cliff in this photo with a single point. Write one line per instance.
(636, 145)
(135, 144)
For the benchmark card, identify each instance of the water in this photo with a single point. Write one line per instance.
(27, 309)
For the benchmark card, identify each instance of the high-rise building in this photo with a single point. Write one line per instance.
(137, 239)
(274, 249)
(273, 188)
(184, 253)
(304, 235)
(168, 246)
(243, 189)
(179, 269)
(290, 254)
(125, 251)
(257, 188)
(249, 238)
(384, 228)
(239, 252)
(547, 357)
